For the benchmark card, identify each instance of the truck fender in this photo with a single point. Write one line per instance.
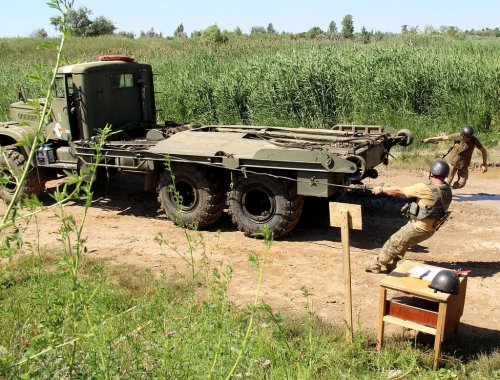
(12, 133)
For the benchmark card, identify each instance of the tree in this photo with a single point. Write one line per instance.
(237, 31)
(365, 34)
(347, 27)
(270, 29)
(150, 34)
(451, 31)
(212, 35)
(39, 33)
(130, 35)
(314, 32)
(82, 26)
(429, 29)
(257, 30)
(78, 21)
(332, 29)
(179, 32)
(101, 26)
(414, 29)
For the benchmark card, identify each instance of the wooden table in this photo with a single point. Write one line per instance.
(419, 307)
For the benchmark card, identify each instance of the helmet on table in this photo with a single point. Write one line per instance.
(467, 131)
(445, 281)
(440, 168)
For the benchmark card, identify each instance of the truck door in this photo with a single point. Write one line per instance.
(64, 109)
(125, 101)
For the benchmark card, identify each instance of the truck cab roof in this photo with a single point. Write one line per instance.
(103, 64)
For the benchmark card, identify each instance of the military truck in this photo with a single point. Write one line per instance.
(260, 174)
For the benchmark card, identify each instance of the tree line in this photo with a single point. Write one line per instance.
(82, 25)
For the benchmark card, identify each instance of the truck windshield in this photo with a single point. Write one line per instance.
(122, 80)
(59, 88)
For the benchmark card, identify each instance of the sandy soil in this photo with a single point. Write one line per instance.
(124, 220)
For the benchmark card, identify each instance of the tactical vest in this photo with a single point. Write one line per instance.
(442, 198)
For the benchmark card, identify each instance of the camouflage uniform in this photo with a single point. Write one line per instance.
(395, 248)
(417, 229)
(460, 157)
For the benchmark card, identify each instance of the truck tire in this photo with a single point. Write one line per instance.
(202, 196)
(15, 161)
(261, 200)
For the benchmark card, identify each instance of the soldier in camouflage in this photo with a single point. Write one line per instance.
(461, 154)
(428, 205)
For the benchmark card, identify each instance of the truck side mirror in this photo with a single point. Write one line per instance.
(21, 94)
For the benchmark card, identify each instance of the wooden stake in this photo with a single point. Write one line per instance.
(346, 261)
(346, 216)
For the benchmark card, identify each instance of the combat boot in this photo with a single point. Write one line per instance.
(373, 267)
(392, 265)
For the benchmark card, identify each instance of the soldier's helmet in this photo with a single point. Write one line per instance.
(467, 131)
(445, 281)
(440, 168)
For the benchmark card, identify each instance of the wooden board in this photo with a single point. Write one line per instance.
(355, 220)
(400, 280)
(413, 309)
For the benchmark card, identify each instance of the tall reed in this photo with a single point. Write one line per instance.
(430, 85)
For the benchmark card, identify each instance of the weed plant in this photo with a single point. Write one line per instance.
(153, 328)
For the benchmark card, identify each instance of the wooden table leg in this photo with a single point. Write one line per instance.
(381, 313)
(439, 333)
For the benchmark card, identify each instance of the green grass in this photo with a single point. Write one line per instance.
(429, 85)
(138, 326)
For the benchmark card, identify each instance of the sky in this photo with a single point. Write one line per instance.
(22, 18)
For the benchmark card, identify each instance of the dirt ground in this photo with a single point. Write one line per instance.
(124, 220)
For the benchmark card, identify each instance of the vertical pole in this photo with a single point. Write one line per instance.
(346, 261)
(381, 313)
(438, 339)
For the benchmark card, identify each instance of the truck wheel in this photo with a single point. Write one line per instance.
(259, 200)
(202, 197)
(13, 161)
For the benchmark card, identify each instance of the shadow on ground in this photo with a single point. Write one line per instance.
(125, 195)
(476, 197)
(470, 342)
(477, 268)
(381, 218)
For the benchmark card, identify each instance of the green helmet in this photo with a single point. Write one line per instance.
(440, 168)
(467, 131)
(445, 281)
